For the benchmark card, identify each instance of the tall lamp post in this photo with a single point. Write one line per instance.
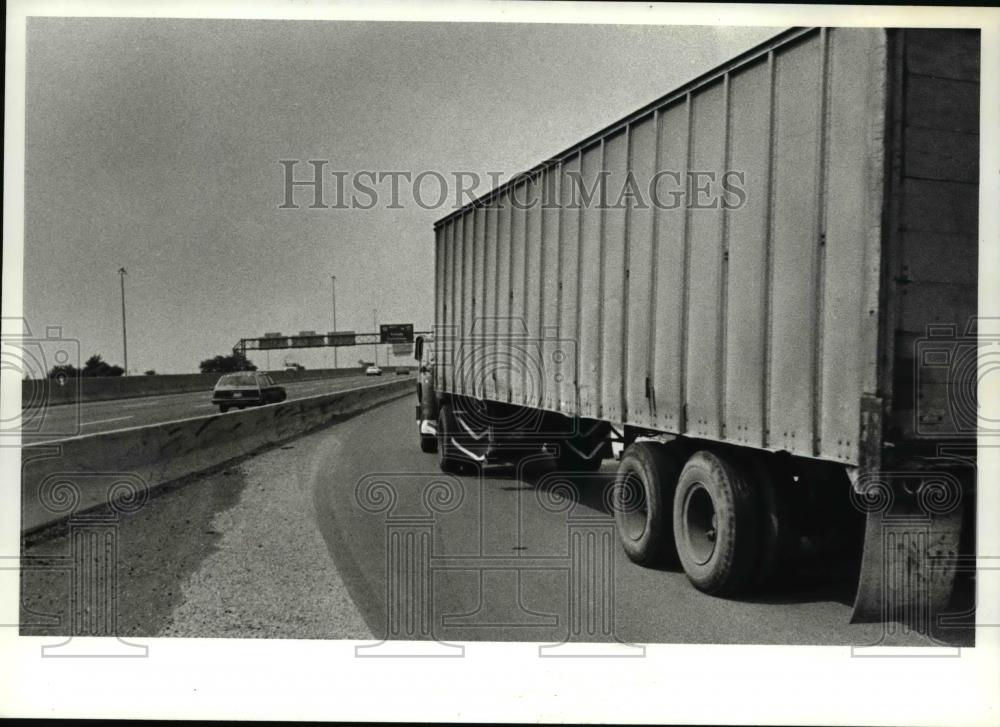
(121, 274)
(333, 288)
(375, 328)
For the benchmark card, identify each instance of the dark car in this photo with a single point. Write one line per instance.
(246, 388)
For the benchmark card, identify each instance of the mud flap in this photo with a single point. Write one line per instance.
(911, 548)
(471, 437)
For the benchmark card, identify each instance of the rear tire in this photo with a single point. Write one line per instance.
(642, 491)
(716, 516)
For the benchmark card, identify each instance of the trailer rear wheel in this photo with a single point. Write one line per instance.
(716, 523)
(642, 491)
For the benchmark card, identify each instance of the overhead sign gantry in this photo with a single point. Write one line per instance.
(394, 333)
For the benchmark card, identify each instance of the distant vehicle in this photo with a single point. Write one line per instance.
(373, 370)
(246, 388)
(293, 367)
(402, 371)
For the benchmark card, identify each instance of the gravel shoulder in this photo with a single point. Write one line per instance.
(270, 575)
(235, 553)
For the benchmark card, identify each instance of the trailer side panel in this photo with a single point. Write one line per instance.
(736, 311)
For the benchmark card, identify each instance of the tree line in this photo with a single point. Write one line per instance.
(97, 366)
(93, 366)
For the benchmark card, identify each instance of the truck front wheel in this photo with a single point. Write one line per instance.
(428, 443)
(642, 493)
(716, 523)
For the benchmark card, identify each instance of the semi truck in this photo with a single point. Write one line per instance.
(759, 293)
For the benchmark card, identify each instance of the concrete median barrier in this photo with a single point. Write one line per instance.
(71, 476)
(48, 392)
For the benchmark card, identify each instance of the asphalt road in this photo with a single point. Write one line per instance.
(70, 420)
(351, 532)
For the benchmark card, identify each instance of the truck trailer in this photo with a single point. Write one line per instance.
(758, 291)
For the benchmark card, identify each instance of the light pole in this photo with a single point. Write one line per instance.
(121, 274)
(375, 328)
(333, 288)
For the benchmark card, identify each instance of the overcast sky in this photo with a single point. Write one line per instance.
(155, 145)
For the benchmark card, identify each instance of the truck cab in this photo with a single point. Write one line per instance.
(427, 404)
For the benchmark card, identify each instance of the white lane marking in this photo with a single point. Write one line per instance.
(138, 406)
(104, 421)
(203, 406)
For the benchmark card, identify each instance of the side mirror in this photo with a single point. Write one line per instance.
(418, 348)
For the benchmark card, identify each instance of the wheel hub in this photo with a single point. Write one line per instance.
(700, 524)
